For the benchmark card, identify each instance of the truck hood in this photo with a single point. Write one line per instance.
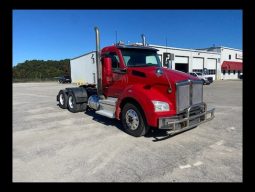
(172, 75)
(176, 76)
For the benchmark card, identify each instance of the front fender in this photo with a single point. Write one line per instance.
(137, 93)
(144, 96)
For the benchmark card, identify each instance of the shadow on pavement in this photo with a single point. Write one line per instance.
(156, 134)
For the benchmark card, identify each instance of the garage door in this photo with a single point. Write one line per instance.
(198, 63)
(181, 63)
(211, 67)
(210, 64)
(180, 59)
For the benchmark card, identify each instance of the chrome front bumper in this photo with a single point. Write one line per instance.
(186, 120)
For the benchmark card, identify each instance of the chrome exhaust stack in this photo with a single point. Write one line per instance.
(143, 40)
(98, 63)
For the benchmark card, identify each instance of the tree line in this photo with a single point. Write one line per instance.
(40, 70)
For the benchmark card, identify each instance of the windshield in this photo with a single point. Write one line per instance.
(200, 74)
(140, 58)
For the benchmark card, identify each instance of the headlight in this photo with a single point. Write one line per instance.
(160, 106)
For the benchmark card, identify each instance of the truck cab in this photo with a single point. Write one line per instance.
(129, 64)
(134, 88)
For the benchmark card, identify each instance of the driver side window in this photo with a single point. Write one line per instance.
(115, 60)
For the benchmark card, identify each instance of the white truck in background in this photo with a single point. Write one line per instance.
(206, 80)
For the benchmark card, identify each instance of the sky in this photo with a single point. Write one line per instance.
(65, 34)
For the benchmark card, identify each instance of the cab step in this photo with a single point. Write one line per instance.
(107, 107)
(106, 113)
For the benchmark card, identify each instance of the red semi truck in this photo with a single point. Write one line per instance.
(133, 87)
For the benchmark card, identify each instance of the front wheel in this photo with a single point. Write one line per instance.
(133, 121)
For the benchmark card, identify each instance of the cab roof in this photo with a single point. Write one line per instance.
(135, 47)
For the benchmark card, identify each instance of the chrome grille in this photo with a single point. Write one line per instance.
(182, 96)
(197, 92)
(188, 93)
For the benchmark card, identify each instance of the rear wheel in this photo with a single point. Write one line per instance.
(71, 103)
(73, 106)
(133, 121)
(62, 99)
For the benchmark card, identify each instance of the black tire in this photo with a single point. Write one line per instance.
(62, 99)
(71, 103)
(133, 121)
(83, 107)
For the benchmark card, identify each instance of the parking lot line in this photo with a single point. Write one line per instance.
(185, 166)
(198, 163)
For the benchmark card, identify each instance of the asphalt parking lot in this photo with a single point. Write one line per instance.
(53, 145)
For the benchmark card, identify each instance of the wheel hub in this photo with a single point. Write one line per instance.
(132, 119)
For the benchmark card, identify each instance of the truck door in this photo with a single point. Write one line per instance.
(119, 79)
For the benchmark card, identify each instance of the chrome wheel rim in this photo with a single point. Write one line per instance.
(70, 101)
(132, 119)
(61, 99)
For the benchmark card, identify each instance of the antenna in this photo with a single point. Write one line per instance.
(166, 44)
(116, 36)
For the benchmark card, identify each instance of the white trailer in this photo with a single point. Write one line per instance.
(83, 69)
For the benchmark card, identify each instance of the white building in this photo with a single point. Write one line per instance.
(231, 61)
(190, 60)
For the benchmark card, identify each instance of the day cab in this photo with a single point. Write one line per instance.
(134, 88)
